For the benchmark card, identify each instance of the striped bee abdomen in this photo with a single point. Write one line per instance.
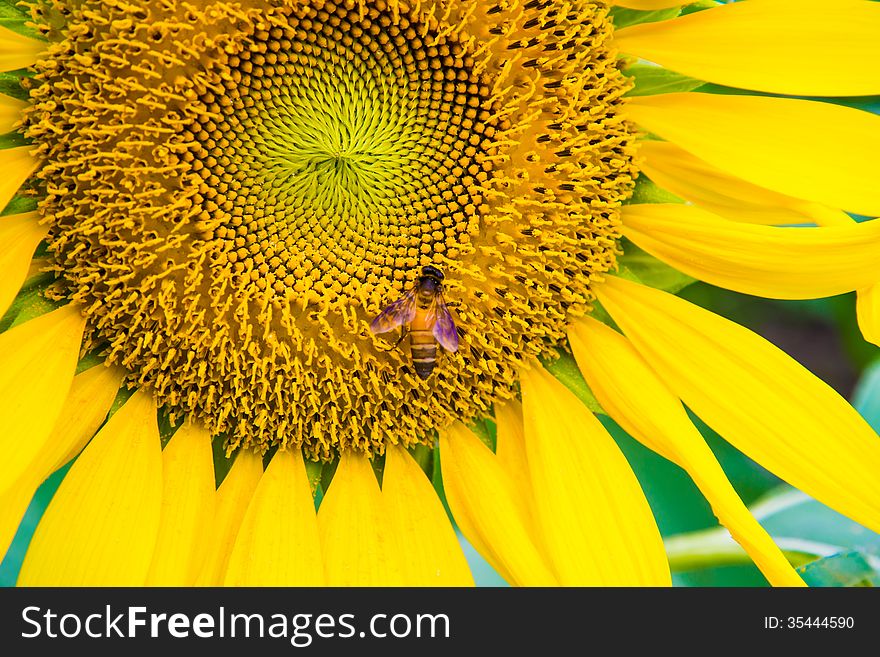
(424, 351)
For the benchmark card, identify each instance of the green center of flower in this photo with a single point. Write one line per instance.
(343, 146)
(236, 191)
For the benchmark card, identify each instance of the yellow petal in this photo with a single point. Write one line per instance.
(37, 363)
(510, 444)
(424, 545)
(19, 234)
(13, 504)
(17, 165)
(277, 544)
(639, 401)
(350, 521)
(231, 503)
(868, 313)
(85, 409)
(10, 112)
(795, 47)
(807, 149)
(101, 526)
(647, 4)
(594, 518)
(868, 302)
(187, 514)
(757, 397)
(692, 179)
(768, 261)
(490, 510)
(17, 51)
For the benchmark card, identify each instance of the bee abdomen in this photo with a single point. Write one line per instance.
(424, 352)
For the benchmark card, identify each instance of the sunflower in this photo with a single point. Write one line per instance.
(206, 204)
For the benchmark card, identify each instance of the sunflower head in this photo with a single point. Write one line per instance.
(235, 190)
(235, 197)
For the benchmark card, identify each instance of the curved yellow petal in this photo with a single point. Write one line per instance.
(350, 522)
(596, 523)
(231, 503)
(424, 544)
(277, 544)
(19, 234)
(639, 401)
(757, 397)
(490, 510)
(795, 47)
(510, 444)
(648, 4)
(17, 51)
(13, 504)
(101, 526)
(807, 149)
(867, 302)
(10, 112)
(868, 313)
(85, 409)
(188, 497)
(37, 363)
(768, 261)
(17, 165)
(692, 179)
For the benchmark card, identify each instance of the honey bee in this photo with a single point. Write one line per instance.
(423, 314)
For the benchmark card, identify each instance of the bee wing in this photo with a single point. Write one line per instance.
(402, 311)
(444, 328)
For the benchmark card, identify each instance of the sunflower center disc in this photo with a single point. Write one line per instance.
(236, 189)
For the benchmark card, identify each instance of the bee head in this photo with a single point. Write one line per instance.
(430, 271)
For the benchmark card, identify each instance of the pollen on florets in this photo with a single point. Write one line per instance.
(234, 190)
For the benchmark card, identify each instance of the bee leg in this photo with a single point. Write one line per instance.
(403, 333)
(453, 304)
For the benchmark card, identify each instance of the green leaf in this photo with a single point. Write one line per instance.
(624, 17)
(600, 314)
(378, 465)
(866, 398)
(29, 303)
(647, 192)
(90, 360)
(19, 204)
(13, 139)
(14, 558)
(423, 455)
(566, 370)
(437, 481)
(167, 428)
(845, 569)
(649, 80)
(20, 26)
(122, 396)
(485, 430)
(786, 511)
(327, 472)
(700, 5)
(10, 84)
(222, 464)
(15, 19)
(9, 9)
(313, 474)
(651, 271)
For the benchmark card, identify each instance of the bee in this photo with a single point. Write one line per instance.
(423, 314)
